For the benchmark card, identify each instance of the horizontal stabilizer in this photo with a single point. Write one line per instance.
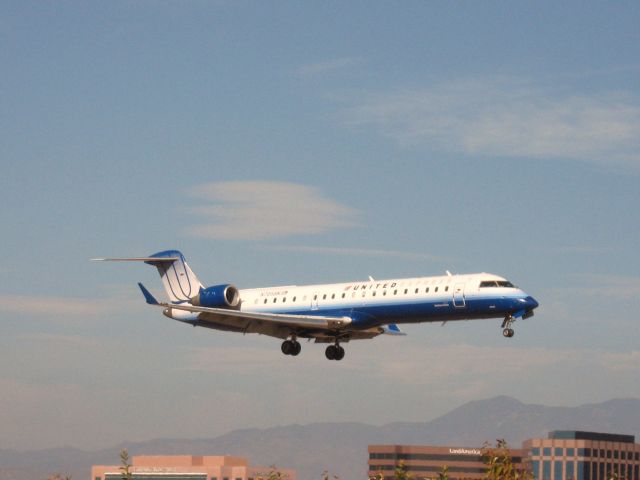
(137, 259)
(147, 295)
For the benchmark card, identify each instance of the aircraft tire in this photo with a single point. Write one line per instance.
(339, 353)
(287, 347)
(330, 352)
(296, 348)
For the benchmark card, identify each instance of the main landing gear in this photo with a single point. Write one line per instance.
(334, 352)
(291, 347)
(507, 331)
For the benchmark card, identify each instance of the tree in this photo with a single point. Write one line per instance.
(273, 474)
(327, 476)
(444, 473)
(401, 472)
(125, 466)
(57, 476)
(377, 476)
(499, 463)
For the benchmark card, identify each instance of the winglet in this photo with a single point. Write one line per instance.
(147, 295)
(392, 329)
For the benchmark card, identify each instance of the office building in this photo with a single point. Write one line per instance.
(188, 467)
(576, 455)
(427, 461)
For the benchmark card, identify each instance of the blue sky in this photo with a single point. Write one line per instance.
(300, 142)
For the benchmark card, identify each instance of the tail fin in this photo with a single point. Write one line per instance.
(179, 281)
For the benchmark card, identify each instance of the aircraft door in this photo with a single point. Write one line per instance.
(458, 295)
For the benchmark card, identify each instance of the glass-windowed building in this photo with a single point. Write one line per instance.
(427, 462)
(188, 467)
(576, 455)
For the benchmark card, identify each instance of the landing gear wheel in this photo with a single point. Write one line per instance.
(287, 347)
(508, 332)
(291, 347)
(334, 352)
(331, 352)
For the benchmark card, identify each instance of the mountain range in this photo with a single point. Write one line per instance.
(341, 448)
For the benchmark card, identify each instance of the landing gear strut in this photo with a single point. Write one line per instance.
(291, 347)
(507, 331)
(334, 352)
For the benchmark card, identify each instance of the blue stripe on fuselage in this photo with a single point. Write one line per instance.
(413, 310)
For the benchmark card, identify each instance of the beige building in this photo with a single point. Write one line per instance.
(576, 455)
(188, 467)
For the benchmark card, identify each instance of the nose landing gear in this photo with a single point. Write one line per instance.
(507, 331)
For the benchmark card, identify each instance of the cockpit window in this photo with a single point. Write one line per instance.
(496, 283)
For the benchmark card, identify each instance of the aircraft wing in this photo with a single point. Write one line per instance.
(313, 322)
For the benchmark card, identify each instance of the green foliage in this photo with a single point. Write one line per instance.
(499, 463)
(377, 476)
(125, 466)
(327, 476)
(442, 475)
(57, 476)
(272, 474)
(401, 472)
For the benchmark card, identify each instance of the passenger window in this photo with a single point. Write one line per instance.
(446, 289)
(284, 299)
(435, 289)
(333, 295)
(294, 299)
(426, 290)
(315, 297)
(416, 290)
(373, 294)
(265, 300)
(324, 297)
(406, 291)
(274, 299)
(343, 295)
(395, 292)
(384, 292)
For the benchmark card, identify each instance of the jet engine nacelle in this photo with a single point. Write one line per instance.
(218, 296)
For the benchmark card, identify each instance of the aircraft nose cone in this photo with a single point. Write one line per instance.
(531, 303)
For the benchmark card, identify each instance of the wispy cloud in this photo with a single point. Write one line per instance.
(578, 249)
(492, 369)
(23, 304)
(260, 210)
(507, 117)
(317, 68)
(620, 287)
(623, 362)
(355, 252)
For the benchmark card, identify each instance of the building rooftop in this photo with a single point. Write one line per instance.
(602, 437)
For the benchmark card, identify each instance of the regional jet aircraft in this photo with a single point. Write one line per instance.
(333, 313)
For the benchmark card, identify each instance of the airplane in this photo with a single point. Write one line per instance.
(333, 313)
